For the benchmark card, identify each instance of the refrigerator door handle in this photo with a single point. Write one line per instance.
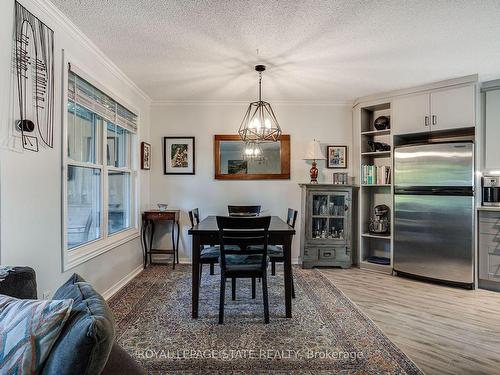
(426, 121)
(434, 119)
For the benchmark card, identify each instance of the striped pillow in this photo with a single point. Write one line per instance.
(28, 330)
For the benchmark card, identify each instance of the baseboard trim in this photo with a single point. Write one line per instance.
(121, 283)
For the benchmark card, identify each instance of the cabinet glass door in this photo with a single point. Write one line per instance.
(329, 212)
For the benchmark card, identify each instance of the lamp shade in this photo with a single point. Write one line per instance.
(314, 151)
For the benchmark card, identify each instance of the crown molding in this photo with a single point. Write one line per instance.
(169, 102)
(50, 11)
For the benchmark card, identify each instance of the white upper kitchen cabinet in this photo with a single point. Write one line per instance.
(492, 130)
(410, 114)
(442, 109)
(453, 108)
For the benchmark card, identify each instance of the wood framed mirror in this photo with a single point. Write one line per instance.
(231, 165)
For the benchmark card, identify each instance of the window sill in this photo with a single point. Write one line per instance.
(79, 255)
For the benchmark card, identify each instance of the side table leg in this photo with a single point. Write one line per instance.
(177, 244)
(144, 243)
(173, 244)
(151, 234)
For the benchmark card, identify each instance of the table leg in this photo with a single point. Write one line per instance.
(177, 244)
(195, 275)
(287, 252)
(173, 244)
(144, 243)
(151, 234)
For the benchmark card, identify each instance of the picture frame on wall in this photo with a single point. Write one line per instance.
(145, 156)
(178, 155)
(336, 157)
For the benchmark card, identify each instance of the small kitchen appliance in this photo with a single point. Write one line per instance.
(379, 222)
(491, 191)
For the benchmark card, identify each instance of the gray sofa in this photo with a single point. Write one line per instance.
(86, 345)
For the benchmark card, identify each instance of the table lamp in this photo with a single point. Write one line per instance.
(314, 153)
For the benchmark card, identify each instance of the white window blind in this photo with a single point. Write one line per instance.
(87, 95)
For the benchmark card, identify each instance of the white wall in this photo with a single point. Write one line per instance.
(31, 182)
(331, 124)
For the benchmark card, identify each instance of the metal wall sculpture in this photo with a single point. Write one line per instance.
(34, 64)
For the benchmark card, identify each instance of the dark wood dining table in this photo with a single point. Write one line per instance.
(207, 233)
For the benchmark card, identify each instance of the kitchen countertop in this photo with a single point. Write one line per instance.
(486, 208)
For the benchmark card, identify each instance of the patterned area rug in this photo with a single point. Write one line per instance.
(327, 334)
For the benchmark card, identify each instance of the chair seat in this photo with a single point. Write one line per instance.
(236, 262)
(213, 252)
(274, 251)
(210, 252)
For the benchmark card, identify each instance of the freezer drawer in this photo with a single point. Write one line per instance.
(433, 237)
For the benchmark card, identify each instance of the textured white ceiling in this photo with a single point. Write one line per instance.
(316, 51)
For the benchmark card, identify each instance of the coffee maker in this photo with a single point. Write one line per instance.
(491, 191)
(379, 222)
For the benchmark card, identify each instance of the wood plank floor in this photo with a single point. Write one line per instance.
(443, 330)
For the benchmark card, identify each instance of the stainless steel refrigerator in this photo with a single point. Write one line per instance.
(434, 211)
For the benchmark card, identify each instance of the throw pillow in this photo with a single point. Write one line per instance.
(28, 331)
(84, 346)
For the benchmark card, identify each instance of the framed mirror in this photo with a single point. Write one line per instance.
(233, 163)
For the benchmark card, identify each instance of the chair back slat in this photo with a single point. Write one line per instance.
(194, 217)
(291, 217)
(191, 218)
(243, 232)
(243, 210)
(196, 214)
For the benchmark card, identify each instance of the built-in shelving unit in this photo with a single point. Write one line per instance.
(377, 132)
(376, 153)
(373, 194)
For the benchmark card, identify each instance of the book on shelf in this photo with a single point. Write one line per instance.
(375, 175)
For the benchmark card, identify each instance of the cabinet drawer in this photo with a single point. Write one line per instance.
(159, 215)
(326, 254)
(489, 216)
(492, 227)
(489, 240)
(310, 254)
(494, 264)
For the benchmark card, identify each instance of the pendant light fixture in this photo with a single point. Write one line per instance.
(259, 123)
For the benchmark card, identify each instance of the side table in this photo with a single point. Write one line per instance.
(149, 218)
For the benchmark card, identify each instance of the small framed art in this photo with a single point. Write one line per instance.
(145, 156)
(178, 155)
(336, 157)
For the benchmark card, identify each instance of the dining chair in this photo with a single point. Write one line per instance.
(243, 211)
(208, 255)
(250, 260)
(275, 252)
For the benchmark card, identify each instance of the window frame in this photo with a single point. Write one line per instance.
(91, 249)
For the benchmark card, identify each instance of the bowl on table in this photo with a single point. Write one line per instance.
(162, 206)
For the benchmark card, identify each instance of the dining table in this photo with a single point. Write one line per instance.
(206, 232)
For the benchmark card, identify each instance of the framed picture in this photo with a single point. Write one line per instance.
(178, 155)
(145, 155)
(336, 157)
(237, 167)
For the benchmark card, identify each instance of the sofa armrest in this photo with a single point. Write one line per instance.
(20, 282)
(120, 362)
